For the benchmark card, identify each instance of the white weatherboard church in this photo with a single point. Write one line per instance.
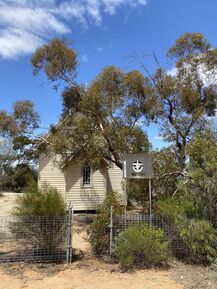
(84, 187)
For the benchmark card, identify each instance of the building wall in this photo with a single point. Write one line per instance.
(69, 183)
(85, 198)
(115, 176)
(115, 182)
(50, 174)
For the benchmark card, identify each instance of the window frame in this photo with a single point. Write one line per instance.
(90, 185)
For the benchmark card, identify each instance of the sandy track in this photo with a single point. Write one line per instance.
(86, 277)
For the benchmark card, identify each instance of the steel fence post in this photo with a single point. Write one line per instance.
(69, 235)
(125, 217)
(71, 230)
(111, 230)
(150, 201)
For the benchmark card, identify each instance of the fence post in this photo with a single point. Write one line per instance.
(125, 217)
(111, 230)
(69, 234)
(150, 201)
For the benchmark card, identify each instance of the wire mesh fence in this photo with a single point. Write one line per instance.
(120, 223)
(36, 238)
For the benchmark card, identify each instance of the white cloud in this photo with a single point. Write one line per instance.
(36, 20)
(15, 42)
(25, 24)
(92, 11)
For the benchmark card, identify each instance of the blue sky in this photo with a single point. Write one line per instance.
(103, 32)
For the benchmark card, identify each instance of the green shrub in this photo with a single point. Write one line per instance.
(201, 239)
(99, 230)
(141, 245)
(17, 178)
(23, 175)
(197, 235)
(41, 217)
(137, 189)
(40, 202)
(173, 208)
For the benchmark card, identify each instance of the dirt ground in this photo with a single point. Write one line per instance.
(83, 276)
(7, 203)
(90, 273)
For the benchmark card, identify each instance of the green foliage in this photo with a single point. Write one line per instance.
(71, 99)
(199, 235)
(99, 230)
(23, 175)
(137, 189)
(175, 208)
(17, 178)
(40, 202)
(103, 118)
(141, 245)
(6, 179)
(41, 217)
(101, 127)
(111, 107)
(167, 172)
(167, 177)
(183, 101)
(188, 44)
(23, 119)
(57, 60)
(193, 211)
(201, 239)
(19, 126)
(202, 167)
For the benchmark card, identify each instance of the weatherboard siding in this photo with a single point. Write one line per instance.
(69, 183)
(115, 177)
(85, 198)
(50, 174)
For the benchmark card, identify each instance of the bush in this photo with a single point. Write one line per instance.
(197, 235)
(201, 239)
(137, 190)
(23, 175)
(40, 202)
(141, 245)
(17, 178)
(173, 209)
(99, 230)
(41, 217)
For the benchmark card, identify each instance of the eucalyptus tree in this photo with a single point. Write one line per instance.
(99, 123)
(103, 120)
(19, 127)
(202, 167)
(185, 98)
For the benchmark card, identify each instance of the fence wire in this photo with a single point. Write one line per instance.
(35, 239)
(175, 242)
